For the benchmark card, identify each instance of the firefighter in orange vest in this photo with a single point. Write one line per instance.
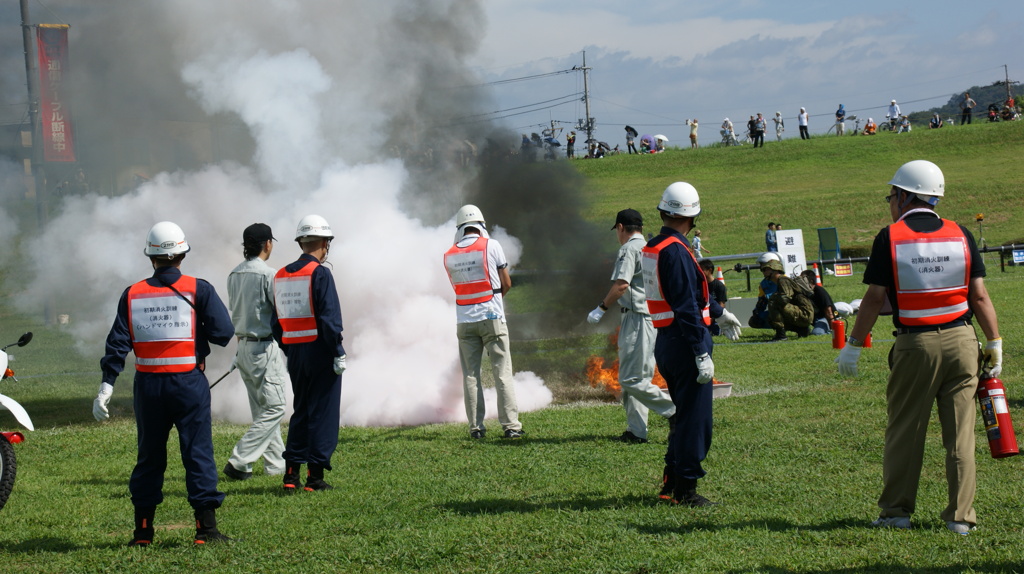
(168, 321)
(478, 271)
(929, 270)
(678, 302)
(307, 324)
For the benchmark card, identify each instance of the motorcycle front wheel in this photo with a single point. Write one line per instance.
(8, 469)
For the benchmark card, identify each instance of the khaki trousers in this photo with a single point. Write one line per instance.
(933, 367)
(636, 370)
(261, 364)
(491, 335)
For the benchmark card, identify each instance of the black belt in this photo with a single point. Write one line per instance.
(931, 328)
(256, 339)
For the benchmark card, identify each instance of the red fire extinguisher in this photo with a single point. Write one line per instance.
(838, 333)
(1002, 442)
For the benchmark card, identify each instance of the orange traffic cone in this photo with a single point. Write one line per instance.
(718, 275)
(817, 276)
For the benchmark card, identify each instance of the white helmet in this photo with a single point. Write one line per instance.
(469, 214)
(768, 256)
(681, 200)
(166, 239)
(314, 227)
(922, 178)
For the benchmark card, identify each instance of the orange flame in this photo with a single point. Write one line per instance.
(600, 376)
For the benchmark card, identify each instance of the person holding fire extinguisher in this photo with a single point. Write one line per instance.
(930, 271)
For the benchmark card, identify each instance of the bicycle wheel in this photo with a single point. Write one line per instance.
(8, 469)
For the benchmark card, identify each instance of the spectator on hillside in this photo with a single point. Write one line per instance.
(824, 308)
(893, 114)
(728, 136)
(750, 130)
(966, 108)
(630, 146)
(904, 125)
(698, 245)
(840, 120)
(770, 241)
(693, 133)
(780, 126)
(802, 122)
(935, 122)
(760, 126)
(870, 128)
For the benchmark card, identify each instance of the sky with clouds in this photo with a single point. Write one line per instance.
(657, 63)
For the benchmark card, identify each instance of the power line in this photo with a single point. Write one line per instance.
(521, 107)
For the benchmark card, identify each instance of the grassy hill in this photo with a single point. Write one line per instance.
(821, 182)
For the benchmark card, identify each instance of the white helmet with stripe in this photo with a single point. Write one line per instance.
(680, 199)
(167, 240)
(313, 227)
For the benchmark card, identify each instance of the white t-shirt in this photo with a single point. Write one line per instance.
(495, 308)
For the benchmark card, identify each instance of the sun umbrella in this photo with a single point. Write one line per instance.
(604, 145)
(646, 138)
(661, 137)
(631, 131)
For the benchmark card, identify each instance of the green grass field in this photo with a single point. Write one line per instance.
(796, 460)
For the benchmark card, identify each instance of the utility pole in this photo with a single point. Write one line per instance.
(36, 159)
(587, 123)
(1006, 72)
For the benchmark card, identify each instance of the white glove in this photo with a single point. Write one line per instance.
(728, 319)
(99, 406)
(993, 355)
(595, 315)
(339, 364)
(705, 369)
(847, 360)
(731, 326)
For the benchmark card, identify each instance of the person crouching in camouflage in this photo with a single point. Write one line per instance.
(790, 307)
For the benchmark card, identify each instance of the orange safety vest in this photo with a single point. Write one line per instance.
(659, 309)
(932, 272)
(469, 273)
(293, 298)
(163, 327)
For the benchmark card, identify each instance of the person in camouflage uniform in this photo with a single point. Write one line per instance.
(789, 308)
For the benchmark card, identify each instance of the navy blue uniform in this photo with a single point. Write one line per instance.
(163, 400)
(676, 350)
(313, 430)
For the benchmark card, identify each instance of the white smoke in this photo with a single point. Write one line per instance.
(396, 299)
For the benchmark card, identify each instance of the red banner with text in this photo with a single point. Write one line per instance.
(52, 49)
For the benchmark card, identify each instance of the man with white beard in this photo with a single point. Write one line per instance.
(479, 274)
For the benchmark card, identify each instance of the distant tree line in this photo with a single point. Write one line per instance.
(983, 95)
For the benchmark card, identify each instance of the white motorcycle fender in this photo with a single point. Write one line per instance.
(19, 412)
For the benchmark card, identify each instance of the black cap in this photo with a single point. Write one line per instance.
(629, 217)
(257, 233)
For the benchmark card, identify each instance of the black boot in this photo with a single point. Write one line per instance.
(315, 479)
(143, 535)
(780, 335)
(686, 494)
(292, 482)
(668, 484)
(206, 527)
